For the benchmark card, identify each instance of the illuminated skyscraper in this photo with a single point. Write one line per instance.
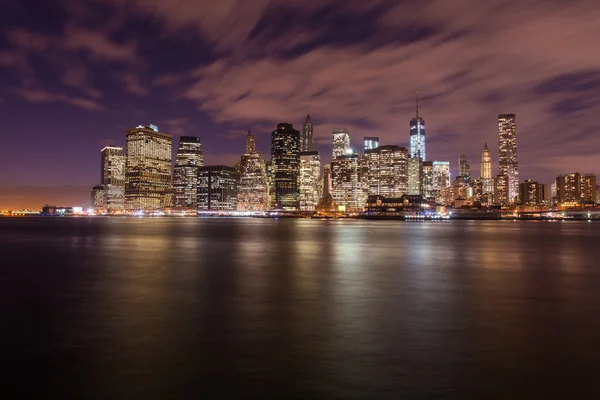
(501, 189)
(310, 171)
(253, 187)
(507, 160)
(285, 147)
(306, 138)
(576, 188)
(387, 171)
(217, 188)
(428, 180)
(341, 142)
(371, 142)
(148, 168)
(270, 184)
(487, 181)
(415, 176)
(185, 173)
(112, 177)
(347, 191)
(417, 135)
(441, 180)
(98, 198)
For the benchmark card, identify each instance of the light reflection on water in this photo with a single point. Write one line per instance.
(301, 308)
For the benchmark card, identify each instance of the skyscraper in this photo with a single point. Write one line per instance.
(507, 160)
(428, 180)
(532, 193)
(148, 168)
(112, 177)
(370, 142)
(185, 173)
(285, 146)
(441, 180)
(217, 188)
(501, 189)
(417, 135)
(415, 176)
(98, 198)
(464, 169)
(347, 190)
(487, 181)
(341, 142)
(310, 171)
(576, 188)
(387, 171)
(306, 138)
(252, 188)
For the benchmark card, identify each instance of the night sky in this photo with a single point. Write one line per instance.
(75, 74)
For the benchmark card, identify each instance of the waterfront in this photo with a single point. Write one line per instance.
(293, 308)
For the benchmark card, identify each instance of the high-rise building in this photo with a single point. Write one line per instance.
(148, 168)
(370, 142)
(185, 173)
(270, 184)
(417, 135)
(588, 189)
(487, 181)
(310, 171)
(341, 142)
(285, 146)
(112, 176)
(387, 171)
(428, 180)
(99, 198)
(347, 187)
(553, 190)
(415, 176)
(441, 181)
(253, 189)
(532, 193)
(501, 189)
(306, 138)
(464, 169)
(576, 188)
(507, 159)
(217, 188)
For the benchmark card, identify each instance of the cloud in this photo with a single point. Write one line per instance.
(132, 84)
(44, 96)
(77, 76)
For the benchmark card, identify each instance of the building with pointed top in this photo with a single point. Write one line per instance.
(417, 135)
(310, 169)
(487, 180)
(252, 187)
(306, 137)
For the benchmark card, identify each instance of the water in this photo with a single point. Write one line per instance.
(186, 308)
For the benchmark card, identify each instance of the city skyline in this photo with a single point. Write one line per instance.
(78, 78)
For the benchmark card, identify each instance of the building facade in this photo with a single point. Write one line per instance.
(464, 169)
(387, 171)
(112, 176)
(98, 198)
(341, 142)
(415, 176)
(148, 168)
(501, 193)
(370, 143)
(507, 159)
(253, 187)
(217, 188)
(285, 150)
(532, 193)
(185, 173)
(428, 180)
(417, 136)
(310, 179)
(487, 180)
(576, 188)
(441, 181)
(347, 183)
(306, 138)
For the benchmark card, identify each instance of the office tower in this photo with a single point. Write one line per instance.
(464, 170)
(217, 188)
(417, 135)
(553, 190)
(306, 138)
(112, 176)
(370, 142)
(485, 173)
(185, 173)
(428, 180)
(98, 198)
(347, 189)
(387, 171)
(341, 142)
(588, 189)
(507, 160)
(310, 173)
(441, 180)
(253, 188)
(148, 168)
(285, 146)
(501, 189)
(415, 176)
(532, 193)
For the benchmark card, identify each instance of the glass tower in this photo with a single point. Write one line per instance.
(387, 168)
(341, 142)
(185, 174)
(371, 142)
(417, 135)
(285, 146)
(112, 177)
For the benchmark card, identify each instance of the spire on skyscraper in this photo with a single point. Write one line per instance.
(417, 105)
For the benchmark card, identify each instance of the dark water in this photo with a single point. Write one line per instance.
(161, 308)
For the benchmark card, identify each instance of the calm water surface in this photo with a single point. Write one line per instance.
(210, 308)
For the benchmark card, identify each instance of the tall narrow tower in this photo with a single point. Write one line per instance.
(507, 160)
(417, 135)
(306, 138)
(486, 171)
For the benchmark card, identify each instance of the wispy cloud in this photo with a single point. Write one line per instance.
(44, 96)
